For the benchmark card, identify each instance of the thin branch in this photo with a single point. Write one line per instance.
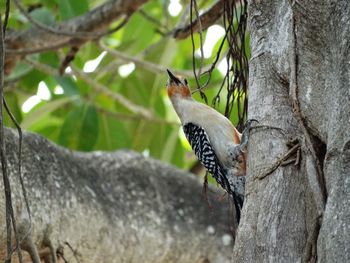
(139, 112)
(159, 69)
(88, 26)
(59, 31)
(133, 117)
(97, 87)
(155, 21)
(204, 21)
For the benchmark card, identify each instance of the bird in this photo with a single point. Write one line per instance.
(218, 145)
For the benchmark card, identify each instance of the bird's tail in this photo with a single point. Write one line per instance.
(233, 185)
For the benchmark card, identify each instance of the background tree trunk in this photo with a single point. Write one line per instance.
(114, 207)
(300, 83)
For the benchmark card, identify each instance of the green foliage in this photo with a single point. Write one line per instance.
(78, 114)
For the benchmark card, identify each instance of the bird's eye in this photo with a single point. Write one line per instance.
(185, 80)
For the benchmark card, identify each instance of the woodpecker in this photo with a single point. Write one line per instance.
(215, 141)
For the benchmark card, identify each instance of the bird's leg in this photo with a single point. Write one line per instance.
(245, 133)
(237, 151)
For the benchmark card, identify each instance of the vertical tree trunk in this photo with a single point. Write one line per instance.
(299, 87)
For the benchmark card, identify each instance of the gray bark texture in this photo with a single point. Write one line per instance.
(299, 87)
(114, 207)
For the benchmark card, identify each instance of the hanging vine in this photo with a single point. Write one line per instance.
(235, 47)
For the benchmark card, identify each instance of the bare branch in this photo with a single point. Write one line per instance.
(81, 29)
(205, 20)
(144, 112)
(133, 117)
(142, 63)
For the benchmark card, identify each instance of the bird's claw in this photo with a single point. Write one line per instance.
(245, 133)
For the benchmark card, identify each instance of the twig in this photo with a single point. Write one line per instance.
(154, 21)
(70, 56)
(75, 252)
(98, 87)
(43, 67)
(205, 191)
(129, 117)
(97, 21)
(58, 31)
(281, 161)
(142, 63)
(28, 51)
(206, 20)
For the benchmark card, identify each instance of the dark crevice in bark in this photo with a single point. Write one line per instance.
(320, 149)
(310, 254)
(314, 145)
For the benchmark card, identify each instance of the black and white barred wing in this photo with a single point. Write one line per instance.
(200, 143)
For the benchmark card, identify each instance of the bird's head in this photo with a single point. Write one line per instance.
(177, 86)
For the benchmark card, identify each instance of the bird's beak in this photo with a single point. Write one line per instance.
(172, 77)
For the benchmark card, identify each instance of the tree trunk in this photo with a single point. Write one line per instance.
(299, 87)
(114, 207)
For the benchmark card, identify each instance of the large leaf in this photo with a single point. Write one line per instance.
(89, 129)
(12, 103)
(68, 85)
(69, 9)
(170, 146)
(20, 70)
(80, 129)
(141, 36)
(112, 135)
(44, 110)
(43, 15)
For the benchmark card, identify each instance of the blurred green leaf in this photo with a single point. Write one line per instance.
(113, 134)
(69, 9)
(20, 70)
(43, 110)
(170, 146)
(68, 85)
(12, 103)
(89, 129)
(43, 15)
(80, 129)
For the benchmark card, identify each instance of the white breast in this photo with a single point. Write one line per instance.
(218, 128)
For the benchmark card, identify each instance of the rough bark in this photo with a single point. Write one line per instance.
(115, 207)
(298, 49)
